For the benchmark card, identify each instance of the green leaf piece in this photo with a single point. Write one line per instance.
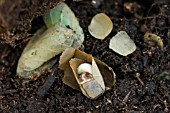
(64, 16)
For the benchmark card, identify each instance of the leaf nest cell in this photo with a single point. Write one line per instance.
(50, 41)
(85, 73)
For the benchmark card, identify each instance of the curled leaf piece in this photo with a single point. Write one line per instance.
(100, 26)
(85, 73)
(153, 40)
(122, 44)
(42, 47)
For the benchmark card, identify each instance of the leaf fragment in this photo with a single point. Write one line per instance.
(122, 44)
(100, 26)
(64, 16)
(42, 48)
(153, 40)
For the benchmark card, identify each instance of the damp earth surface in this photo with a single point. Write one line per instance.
(142, 81)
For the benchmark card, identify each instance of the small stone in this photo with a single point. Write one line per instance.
(96, 3)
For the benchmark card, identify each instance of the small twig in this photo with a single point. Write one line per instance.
(156, 106)
(1, 97)
(126, 97)
(137, 75)
(11, 91)
(166, 106)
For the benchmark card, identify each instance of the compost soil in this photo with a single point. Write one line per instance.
(138, 88)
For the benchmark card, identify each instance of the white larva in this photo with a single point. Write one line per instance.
(85, 67)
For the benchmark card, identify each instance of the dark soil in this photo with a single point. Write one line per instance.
(19, 19)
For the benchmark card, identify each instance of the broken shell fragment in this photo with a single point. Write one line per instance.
(85, 73)
(122, 44)
(153, 40)
(100, 26)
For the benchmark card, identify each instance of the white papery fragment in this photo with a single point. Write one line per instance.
(100, 26)
(122, 44)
